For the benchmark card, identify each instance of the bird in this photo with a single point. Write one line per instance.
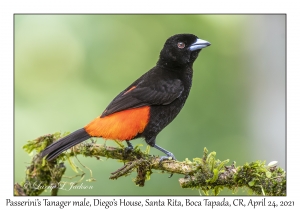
(148, 105)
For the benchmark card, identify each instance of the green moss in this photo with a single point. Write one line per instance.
(212, 175)
(261, 179)
(208, 173)
(41, 174)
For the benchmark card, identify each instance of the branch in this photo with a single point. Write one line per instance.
(207, 173)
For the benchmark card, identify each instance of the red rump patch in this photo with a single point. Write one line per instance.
(123, 125)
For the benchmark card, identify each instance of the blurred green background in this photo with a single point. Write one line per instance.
(69, 67)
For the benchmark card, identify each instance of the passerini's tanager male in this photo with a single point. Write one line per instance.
(146, 106)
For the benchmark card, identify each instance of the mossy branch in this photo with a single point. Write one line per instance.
(207, 173)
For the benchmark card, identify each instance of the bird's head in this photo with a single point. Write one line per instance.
(181, 50)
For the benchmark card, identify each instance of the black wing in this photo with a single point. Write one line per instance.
(160, 92)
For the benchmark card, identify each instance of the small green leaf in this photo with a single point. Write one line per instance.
(137, 146)
(215, 177)
(197, 160)
(217, 190)
(205, 154)
(211, 160)
(251, 183)
(148, 175)
(44, 161)
(206, 192)
(211, 156)
(147, 150)
(72, 164)
(221, 165)
(262, 189)
(268, 174)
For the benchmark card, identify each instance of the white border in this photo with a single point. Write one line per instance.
(8, 8)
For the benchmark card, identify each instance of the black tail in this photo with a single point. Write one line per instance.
(55, 149)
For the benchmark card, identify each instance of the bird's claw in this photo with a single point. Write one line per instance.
(169, 156)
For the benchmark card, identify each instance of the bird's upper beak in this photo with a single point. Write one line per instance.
(199, 44)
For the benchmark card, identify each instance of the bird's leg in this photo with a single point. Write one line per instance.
(129, 147)
(169, 154)
(162, 158)
(151, 142)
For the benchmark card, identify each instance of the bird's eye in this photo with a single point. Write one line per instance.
(180, 45)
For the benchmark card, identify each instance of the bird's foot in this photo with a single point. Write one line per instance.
(169, 156)
(129, 148)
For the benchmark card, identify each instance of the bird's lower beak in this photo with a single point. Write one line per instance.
(199, 44)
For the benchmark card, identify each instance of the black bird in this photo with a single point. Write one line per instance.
(146, 106)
